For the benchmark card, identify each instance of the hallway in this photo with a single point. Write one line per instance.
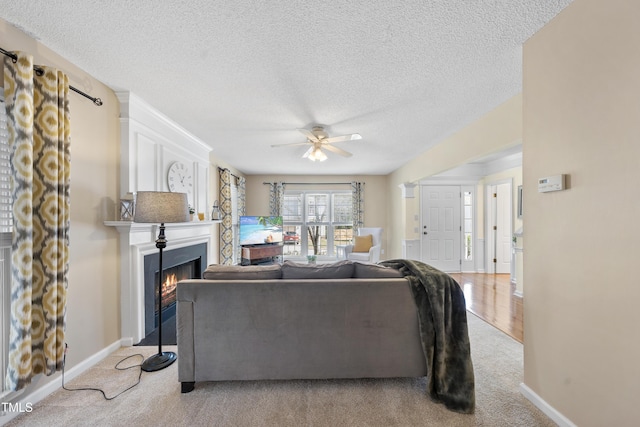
(490, 297)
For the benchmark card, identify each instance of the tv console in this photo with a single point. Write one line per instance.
(261, 254)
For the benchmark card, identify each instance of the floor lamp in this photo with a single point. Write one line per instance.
(160, 208)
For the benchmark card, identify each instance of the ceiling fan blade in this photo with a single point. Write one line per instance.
(308, 153)
(337, 150)
(290, 144)
(308, 134)
(352, 137)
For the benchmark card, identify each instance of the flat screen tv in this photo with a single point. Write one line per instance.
(260, 230)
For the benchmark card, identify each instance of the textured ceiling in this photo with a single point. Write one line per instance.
(242, 75)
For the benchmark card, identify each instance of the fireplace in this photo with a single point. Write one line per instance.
(137, 242)
(178, 264)
(171, 278)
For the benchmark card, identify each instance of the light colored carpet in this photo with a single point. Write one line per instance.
(157, 400)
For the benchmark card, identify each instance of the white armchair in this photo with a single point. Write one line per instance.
(373, 253)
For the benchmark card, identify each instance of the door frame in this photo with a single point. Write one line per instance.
(478, 246)
(489, 237)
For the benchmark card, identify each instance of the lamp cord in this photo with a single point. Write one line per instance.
(64, 360)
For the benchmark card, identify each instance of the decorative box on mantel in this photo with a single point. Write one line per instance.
(136, 241)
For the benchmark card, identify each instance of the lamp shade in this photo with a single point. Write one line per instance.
(161, 207)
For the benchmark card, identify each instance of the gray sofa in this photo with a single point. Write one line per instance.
(297, 321)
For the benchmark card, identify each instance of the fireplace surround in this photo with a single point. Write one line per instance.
(188, 262)
(137, 240)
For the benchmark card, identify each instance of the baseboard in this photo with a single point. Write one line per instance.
(88, 363)
(549, 411)
(40, 393)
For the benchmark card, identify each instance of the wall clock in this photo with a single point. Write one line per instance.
(179, 178)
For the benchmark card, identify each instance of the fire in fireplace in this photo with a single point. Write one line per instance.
(178, 264)
(169, 290)
(172, 276)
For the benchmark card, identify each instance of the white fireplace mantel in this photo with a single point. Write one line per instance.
(136, 241)
(150, 143)
(129, 227)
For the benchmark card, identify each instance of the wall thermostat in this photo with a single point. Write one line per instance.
(551, 183)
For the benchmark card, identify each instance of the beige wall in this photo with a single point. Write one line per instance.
(376, 201)
(499, 129)
(581, 102)
(93, 314)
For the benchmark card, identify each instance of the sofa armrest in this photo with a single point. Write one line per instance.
(185, 340)
(374, 253)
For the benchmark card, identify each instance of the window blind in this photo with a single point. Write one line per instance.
(6, 214)
(6, 223)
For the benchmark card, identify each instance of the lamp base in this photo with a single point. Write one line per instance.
(159, 361)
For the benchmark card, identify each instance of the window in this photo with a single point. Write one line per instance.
(292, 209)
(6, 225)
(314, 222)
(467, 205)
(342, 208)
(6, 215)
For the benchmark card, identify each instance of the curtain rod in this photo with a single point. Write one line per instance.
(225, 169)
(309, 183)
(40, 72)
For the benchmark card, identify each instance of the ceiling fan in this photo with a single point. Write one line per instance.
(319, 139)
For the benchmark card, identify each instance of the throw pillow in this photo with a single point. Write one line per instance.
(240, 272)
(337, 270)
(363, 243)
(364, 270)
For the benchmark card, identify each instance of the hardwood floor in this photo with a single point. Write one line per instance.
(490, 297)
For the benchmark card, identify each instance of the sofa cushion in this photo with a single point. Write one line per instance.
(240, 272)
(367, 270)
(337, 270)
(362, 243)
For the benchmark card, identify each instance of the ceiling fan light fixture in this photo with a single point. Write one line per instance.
(321, 156)
(317, 139)
(317, 154)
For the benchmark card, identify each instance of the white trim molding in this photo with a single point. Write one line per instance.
(541, 404)
(136, 241)
(150, 143)
(408, 190)
(40, 393)
(480, 255)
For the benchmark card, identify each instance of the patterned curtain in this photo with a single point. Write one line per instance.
(357, 212)
(226, 226)
(39, 137)
(276, 198)
(242, 210)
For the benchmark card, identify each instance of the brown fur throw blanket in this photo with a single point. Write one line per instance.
(443, 329)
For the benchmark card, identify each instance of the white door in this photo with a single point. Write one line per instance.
(500, 208)
(441, 227)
